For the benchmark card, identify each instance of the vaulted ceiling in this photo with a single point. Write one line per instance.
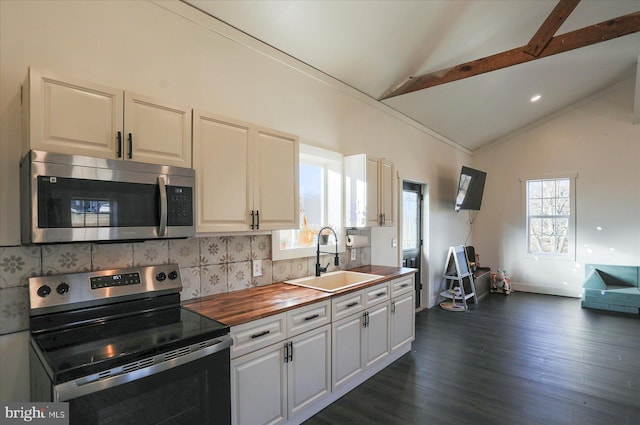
(379, 46)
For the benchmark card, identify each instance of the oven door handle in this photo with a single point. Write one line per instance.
(91, 384)
(162, 230)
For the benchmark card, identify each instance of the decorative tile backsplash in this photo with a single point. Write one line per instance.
(208, 266)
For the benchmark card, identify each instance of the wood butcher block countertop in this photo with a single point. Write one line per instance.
(238, 307)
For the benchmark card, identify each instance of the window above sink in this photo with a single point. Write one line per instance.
(320, 186)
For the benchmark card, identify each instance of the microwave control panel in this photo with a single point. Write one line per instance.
(179, 206)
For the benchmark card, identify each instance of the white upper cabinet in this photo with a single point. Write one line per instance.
(156, 132)
(66, 115)
(370, 191)
(275, 181)
(246, 176)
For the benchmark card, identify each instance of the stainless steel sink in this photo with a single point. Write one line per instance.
(334, 281)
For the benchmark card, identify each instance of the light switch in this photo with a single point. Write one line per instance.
(394, 242)
(257, 268)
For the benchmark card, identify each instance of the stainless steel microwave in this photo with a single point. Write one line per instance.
(72, 198)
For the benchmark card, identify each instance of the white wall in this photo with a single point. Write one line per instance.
(170, 51)
(597, 140)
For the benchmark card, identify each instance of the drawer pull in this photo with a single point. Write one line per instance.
(404, 285)
(353, 304)
(380, 294)
(312, 317)
(258, 335)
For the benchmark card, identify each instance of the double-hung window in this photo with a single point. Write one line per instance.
(550, 212)
(320, 194)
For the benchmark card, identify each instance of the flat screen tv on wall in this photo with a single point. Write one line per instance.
(470, 189)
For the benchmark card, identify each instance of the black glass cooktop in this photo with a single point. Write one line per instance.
(88, 349)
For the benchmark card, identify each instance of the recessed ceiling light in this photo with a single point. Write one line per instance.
(536, 98)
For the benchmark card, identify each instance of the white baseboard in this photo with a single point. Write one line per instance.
(547, 290)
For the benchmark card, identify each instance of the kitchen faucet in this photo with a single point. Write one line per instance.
(336, 261)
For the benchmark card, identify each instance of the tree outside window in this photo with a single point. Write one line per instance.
(548, 216)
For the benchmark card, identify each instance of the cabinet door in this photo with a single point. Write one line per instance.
(387, 186)
(275, 180)
(70, 116)
(221, 162)
(376, 340)
(309, 371)
(402, 320)
(347, 359)
(258, 387)
(373, 192)
(156, 132)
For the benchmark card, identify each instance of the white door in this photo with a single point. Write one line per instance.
(157, 132)
(70, 116)
(309, 370)
(258, 384)
(275, 180)
(221, 160)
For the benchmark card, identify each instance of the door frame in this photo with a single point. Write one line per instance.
(421, 277)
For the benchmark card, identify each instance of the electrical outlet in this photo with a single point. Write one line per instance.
(353, 254)
(257, 268)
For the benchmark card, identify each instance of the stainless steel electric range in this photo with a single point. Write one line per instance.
(118, 347)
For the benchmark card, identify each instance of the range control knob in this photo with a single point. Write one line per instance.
(161, 276)
(62, 289)
(43, 291)
(173, 275)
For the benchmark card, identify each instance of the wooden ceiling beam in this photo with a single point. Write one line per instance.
(603, 31)
(554, 21)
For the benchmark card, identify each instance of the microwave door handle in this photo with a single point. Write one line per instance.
(163, 206)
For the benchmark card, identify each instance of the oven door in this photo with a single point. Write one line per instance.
(193, 393)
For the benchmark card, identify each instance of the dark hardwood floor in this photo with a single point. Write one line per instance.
(515, 360)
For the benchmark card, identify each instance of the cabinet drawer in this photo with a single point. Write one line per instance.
(257, 334)
(347, 304)
(401, 286)
(376, 294)
(309, 317)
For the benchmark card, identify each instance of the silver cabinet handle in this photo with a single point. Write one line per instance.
(163, 206)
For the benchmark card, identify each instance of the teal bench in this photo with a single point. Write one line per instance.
(612, 288)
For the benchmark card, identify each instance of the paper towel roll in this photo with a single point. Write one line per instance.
(357, 241)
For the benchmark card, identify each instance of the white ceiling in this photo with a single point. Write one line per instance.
(375, 45)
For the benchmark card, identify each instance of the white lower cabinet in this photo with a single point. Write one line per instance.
(258, 385)
(272, 384)
(402, 320)
(286, 367)
(362, 339)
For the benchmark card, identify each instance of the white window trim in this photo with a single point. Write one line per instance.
(318, 155)
(569, 256)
